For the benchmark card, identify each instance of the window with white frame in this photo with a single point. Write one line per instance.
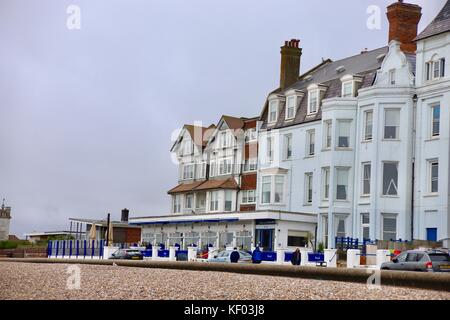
(389, 227)
(328, 126)
(176, 203)
(308, 188)
(347, 89)
(189, 201)
(188, 171)
(290, 107)
(366, 173)
(391, 124)
(250, 135)
(435, 69)
(313, 101)
(273, 111)
(228, 205)
(225, 166)
(270, 149)
(202, 170)
(214, 201)
(433, 186)
(390, 178)
(365, 225)
(344, 133)
(200, 200)
(340, 227)
(287, 146)
(212, 169)
(272, 191)
(248, 196)
(325, 183)
(392, 75)
(368, 125)
(250, 165)
(188, 147)
(342, 183)
(435, 120)
(310, 142)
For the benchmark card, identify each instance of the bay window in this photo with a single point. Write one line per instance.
(228, 205)
(390, 178)
(272, 191)
(188, 172)
(391, 124)
(266, 189)
(325, 183)
(344, 133)
(368, 125)
(342, 183)
(176, 203)
(189, 201)
(328, 126)
(214, 201)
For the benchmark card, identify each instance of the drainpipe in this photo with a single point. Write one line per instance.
(415, 99)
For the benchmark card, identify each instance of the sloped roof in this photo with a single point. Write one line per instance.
(328, 74)
(439, 25)
(233, 122)
(206, 133)
(229, 183)
(184, 187)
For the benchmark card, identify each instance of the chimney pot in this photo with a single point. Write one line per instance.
(290, 63)
(125, 215)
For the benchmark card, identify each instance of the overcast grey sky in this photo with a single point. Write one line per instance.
(87, 115)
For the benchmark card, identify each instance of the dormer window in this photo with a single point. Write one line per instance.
(347, 89)
(273, 111)
(350, 85)
(435, 69)
(290, 107)
(313, 101)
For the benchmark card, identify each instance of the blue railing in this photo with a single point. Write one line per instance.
(75, 248)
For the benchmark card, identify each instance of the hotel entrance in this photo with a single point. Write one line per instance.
(264, 239)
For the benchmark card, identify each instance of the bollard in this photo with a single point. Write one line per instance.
(173, 253)
(304, 254)
(353, 256)
(280, 255)
(155, 250)
(192, 253)
(383, 256)
(330, 256)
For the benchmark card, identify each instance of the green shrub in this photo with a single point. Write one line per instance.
(321, 247)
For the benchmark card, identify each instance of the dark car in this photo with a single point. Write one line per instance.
(128, 254)
(417, 260)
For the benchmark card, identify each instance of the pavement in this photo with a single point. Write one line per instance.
(37, 281)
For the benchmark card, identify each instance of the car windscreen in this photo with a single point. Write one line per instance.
(440, 257)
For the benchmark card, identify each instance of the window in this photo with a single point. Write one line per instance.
(188, 172)
(365, 225)
(392, 77)
(435, 69)
(177, 204)
(347, 89)
(269, 148)
(310, 138)
(434, 177)
(202, 170)
(248, 196)
(188, 147)
(344, 133)
(290, 108)
(298, 239)
(389, 228)
(390, 178)
(273, 111)
(279, 189)
(313, 101)
(328, 133)
(326, 183)
(391, 124)
(266, 189)
(250, 135)
(340, 227)
(436, 117)
(200, 201)
(368, 125)
(189, 202)
(288, 147)
(342, 183)
(212, 169)
(366, 168)
(214, 201)
(225, 166)
(250, 165)
(309, 187)
(228, 200)
(272, 189)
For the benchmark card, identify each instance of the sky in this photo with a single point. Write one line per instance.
(88, 114)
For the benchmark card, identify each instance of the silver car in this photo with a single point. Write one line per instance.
(224, 256)
(417, 260)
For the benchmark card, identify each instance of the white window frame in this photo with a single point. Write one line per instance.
(339, 123)
(250, 165)
(186, 201)
(250, 135)
(390, 185)
(188, 147)
(225, 193)
(273, 188)
(309, 185)
(212, 168)
(313, 94)
(270, 149)
(365, 224)
(347, 194)
(214, 197)
(345, 84)
(364, 179)
(288, 107)
(397, 132)
(273, 104)
(311, 143)
(326, 183)
(287, 147)
(434, 135)
(366, 136)
(328, 136)
(176, 203)
(435, 65)
(248, 197)
(389, 216)
(185, 172)
(225, 166)
(431, 179)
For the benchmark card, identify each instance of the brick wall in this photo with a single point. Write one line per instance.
(248, 181)
(133, 235)
(24, 253)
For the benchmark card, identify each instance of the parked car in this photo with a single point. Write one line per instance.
(419, 260)
(224, 256)
(127, 254)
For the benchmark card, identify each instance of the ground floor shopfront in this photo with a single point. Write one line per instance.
(245, 230)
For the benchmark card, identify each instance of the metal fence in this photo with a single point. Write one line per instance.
(75, 249)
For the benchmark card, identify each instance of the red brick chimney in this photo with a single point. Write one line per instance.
(403, 23)
(290, 63)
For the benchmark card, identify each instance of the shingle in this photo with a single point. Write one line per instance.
(439, 25)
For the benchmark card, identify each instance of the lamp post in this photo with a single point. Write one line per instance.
(107, 228)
